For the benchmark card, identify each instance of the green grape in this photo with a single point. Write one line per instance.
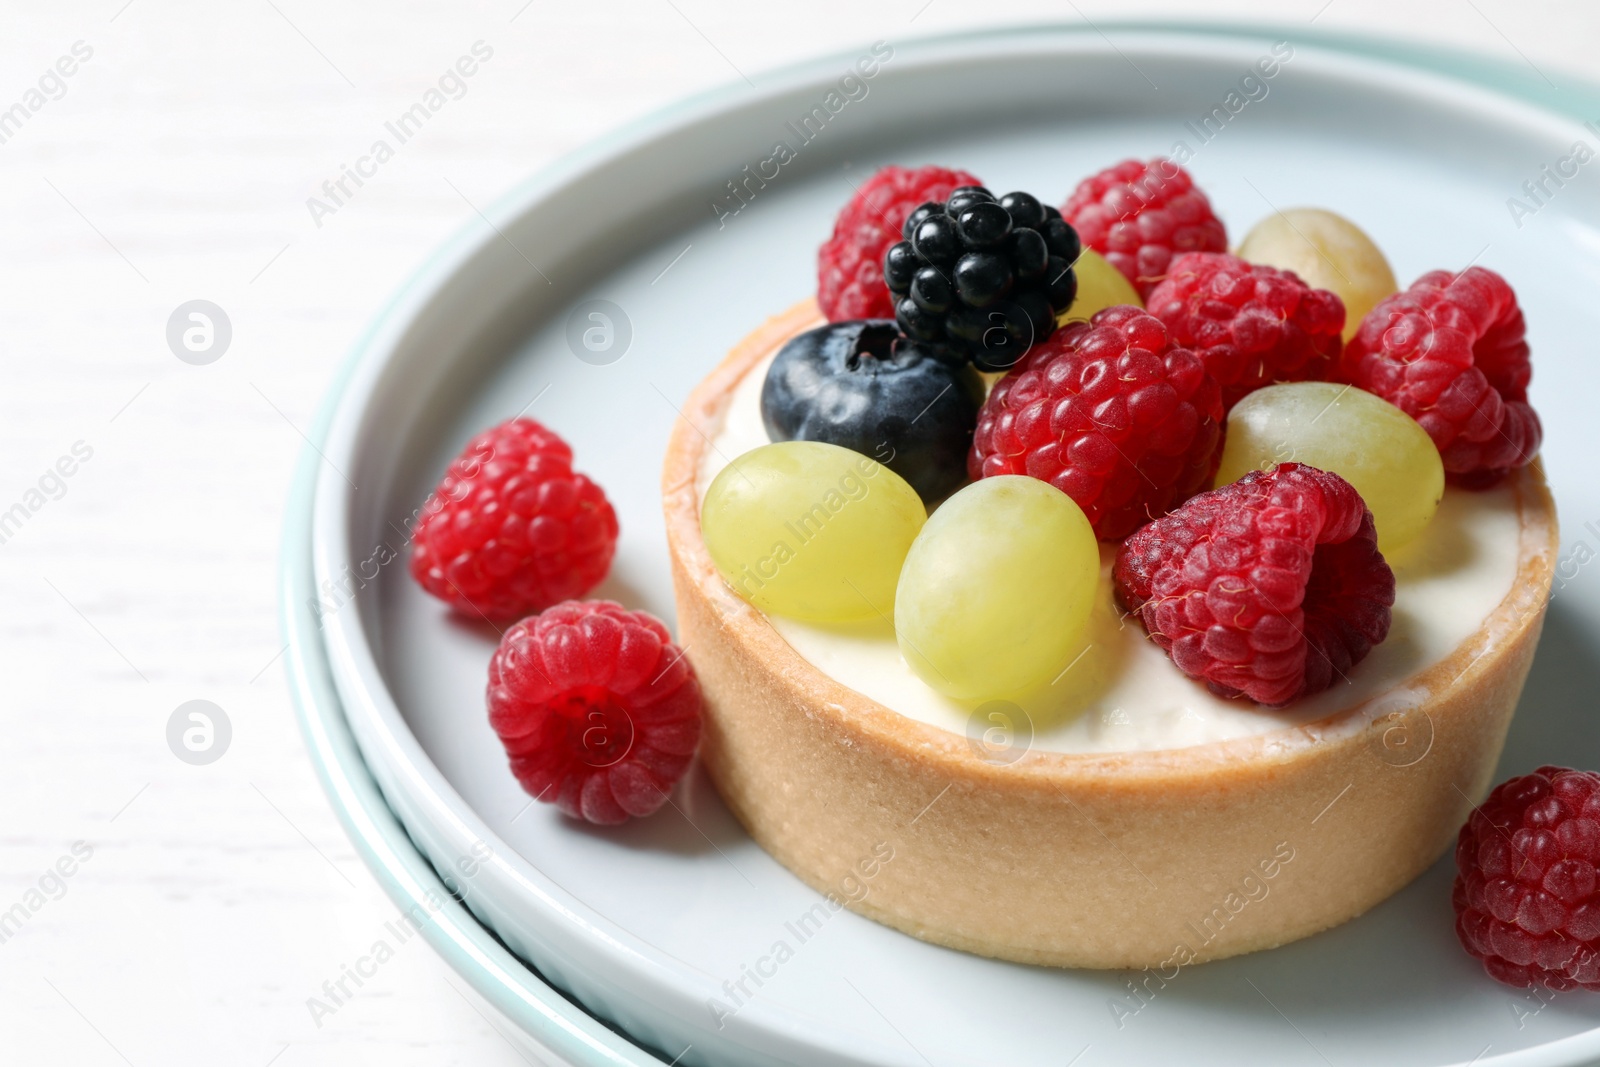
(1100, 285)
(1368, 442)
(1328, 251)
(997, 590)
(811, 531)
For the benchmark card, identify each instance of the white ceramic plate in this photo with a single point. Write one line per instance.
(652, 924)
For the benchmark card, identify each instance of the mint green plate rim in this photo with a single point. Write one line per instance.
(516, 991)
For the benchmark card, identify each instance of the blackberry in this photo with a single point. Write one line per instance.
(982, 279)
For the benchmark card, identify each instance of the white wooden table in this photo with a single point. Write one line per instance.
(140, 495)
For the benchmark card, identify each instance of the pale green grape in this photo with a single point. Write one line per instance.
(1367, 441)
(811, 531)
(1328, 251)
(996, 592)
(1100, 285)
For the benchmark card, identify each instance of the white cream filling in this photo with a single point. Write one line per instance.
(1122, 693)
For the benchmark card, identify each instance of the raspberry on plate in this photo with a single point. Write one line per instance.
(1270, 588)
(1450, 352)
(1110, 412)
(1525, 894)
(1251, 325)
(850, 263)
(598, 710)
(512, 528)
(1139, 215)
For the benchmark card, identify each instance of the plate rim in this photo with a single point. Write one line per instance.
(378, 833)
(510, 984)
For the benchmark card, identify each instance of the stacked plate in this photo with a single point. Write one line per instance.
(598, 294)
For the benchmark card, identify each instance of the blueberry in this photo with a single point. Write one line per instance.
(855, 384)
(982, 278)
(1052, 212)
(1028, 253)
(965, 197)
(1024, 209)
(983, 225)
(1062, 239)
(914, 219)
(899, 266)
(931, 291)
(936, 240)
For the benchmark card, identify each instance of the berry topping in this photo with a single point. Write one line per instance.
(850, 263)
(1270, 588)
(597, 708)
(1112, 414)
(997, 590)
(811, 530)
(1140, 215)
(1251, 325)
(1100, 286)
(863, 387)
(1525, 896)
(1450, 353)
(980, 278)
(1368, 442)
(512, 528)
(1327, 251)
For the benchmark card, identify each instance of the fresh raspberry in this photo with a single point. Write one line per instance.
(1140, 215)
(597, 708)
(1251, 325)
(1526, 896)
(512, 529)
(850, 281)
(1269, 588)
(1450, 353)
(1112, 414)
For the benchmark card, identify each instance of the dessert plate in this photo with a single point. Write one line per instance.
(596, 296)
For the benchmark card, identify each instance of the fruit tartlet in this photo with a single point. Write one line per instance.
(1088, 565)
